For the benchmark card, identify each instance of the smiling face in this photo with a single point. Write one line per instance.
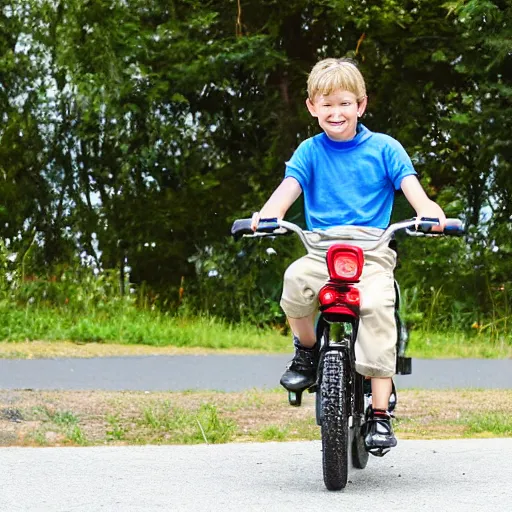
(337, 113)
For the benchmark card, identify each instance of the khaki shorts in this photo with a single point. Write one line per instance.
(375, 347)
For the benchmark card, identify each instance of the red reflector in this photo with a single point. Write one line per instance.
(352, 296)
(329, 296)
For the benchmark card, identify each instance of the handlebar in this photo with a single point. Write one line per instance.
(275, 227)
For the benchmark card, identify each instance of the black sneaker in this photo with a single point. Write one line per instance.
(379, 438)
(300, 373)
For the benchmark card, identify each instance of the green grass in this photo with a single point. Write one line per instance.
(436, 345)
(496, 423)
(65, 422)
(128, 325)
(116, 431)
(164, 423)
(132, 326)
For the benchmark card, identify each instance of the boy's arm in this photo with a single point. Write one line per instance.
(280, 201)
(419, 200)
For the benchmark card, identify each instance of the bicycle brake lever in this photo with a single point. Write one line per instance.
(413, 232)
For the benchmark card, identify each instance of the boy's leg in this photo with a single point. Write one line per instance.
(381, 391)
(376, 346)
(304, 329)
(377, 334)
(302, 282)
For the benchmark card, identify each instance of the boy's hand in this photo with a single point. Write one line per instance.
(423, 206)
(433, 210)
(255, 220)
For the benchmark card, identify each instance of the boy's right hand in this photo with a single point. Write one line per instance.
(255, 221)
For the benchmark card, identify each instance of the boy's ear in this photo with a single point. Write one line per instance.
(311, 108)
(361, 106)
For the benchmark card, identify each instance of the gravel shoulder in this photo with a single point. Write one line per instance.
(85, 418)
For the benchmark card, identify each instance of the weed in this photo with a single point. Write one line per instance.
(64, 418)
(273, 433)
(76, 435)
(116, 432)
(189, 427)
(39, 437)
(213, 428)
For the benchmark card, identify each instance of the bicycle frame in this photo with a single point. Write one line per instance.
(339, 301)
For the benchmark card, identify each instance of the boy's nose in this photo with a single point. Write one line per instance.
(338, 112)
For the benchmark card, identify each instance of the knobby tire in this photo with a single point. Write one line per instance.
(335, 439)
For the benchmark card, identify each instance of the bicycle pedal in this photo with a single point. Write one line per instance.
(378, 451)
(295, 398)
(313, 389)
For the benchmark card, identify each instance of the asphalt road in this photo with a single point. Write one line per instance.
(456, 476)
(224, 373)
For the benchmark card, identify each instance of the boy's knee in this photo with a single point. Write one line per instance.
(377, 297)
(299, 297)
(295, 271)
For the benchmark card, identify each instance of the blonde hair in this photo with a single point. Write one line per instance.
(330, 75)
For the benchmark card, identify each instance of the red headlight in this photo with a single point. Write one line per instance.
(345, 265)
(345, 262)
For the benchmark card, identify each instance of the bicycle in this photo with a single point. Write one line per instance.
(342, 395)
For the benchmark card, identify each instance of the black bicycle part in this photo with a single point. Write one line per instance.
(295, 398)
(359, 454)
(453, 227)
(335, 412)
(403, 363)
(267, 226)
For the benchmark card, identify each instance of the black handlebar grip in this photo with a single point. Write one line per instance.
(243, 227)
(426, 224)
(454, 227)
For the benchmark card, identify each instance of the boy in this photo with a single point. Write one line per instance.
(348, 175)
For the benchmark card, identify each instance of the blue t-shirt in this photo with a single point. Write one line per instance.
(349, 182)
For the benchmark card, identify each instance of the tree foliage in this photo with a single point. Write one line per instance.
(134, 133)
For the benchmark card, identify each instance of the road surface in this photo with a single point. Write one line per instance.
(455, 476)
(224, 373)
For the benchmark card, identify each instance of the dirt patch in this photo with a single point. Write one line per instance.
(53, 349)
(44, 418)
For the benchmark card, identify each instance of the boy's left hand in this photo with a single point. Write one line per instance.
(433, 210)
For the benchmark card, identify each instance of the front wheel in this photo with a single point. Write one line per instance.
(334, 429)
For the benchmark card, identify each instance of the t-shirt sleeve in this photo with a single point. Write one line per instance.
(299, 165)
(398, 163)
